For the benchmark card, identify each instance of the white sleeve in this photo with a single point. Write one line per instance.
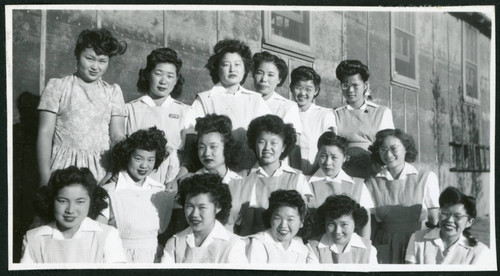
(373, 256)
(303, 187)
(168, 252)
(263, 108)
(366, 200)
(257, 253)
(330, 124)
(485, 258)
(410, 251)
(189, 121)
(113, 248)
(237, 253)
(387, 121)
(26, 257)
(197, 108)
(173, 166)
(106, 211)
(431, 192)
(292, 117)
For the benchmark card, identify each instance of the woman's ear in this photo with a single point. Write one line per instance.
(469, 222)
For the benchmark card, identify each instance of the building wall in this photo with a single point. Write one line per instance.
(338, 35)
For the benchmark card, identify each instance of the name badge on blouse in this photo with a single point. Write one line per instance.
(174, 116)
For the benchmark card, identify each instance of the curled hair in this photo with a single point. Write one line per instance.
(305, 73)
(229, 46)
(352, 67)
(222, 125)
(280, 198)
(44, 199)
(452, 196)
(336, 206)
(101, 41)
(265, 56)
(151, 139)
(275, 125)
(406, 140)
(212, 185)
(329, 138)
(161, 55)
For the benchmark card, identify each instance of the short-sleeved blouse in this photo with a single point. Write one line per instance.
(84, 111)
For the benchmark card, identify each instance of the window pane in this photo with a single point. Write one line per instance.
(293, 25)
(405, 21)
(405, 54)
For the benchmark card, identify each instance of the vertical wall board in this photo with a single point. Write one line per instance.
(140, 25)
(411, 114)
(359, 17)
(440, 37)
(243, 25)
(378, 24)
(25, 56)
(426, 76)
(427, 150)
(380, 66)
(63, 28)
(398, 108)
(328, 48)
(484, 60)
(455, 42)
(355, 41)
(424, 34)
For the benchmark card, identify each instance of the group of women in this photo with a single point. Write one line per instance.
(271, 180)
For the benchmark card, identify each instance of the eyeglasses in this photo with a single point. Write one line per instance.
(300, 89)
(393, 150)
(346, 86)
(446, 215)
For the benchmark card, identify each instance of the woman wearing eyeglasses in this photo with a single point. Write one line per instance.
(452, 242)
(404, 197)
(315, 120)
(360, 119)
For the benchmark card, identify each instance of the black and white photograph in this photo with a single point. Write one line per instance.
(282, 138)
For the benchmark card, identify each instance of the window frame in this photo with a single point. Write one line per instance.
(397, 79)
(468, 99)
(284, 45)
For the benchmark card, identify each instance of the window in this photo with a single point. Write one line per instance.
(288, 32)
(470, 64)
(404, 62)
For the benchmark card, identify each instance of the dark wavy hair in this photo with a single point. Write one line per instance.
(101, 41)
(161, 55)
(222, 125)
(305, 73)
(280, 198)
(44, 198)
(151, 139)
(265, 56)
(339, 205)
(352, 67)
(329, 138)
(272, 124)
(211, 184)
(229, 46)
(406, 140)
(452, 196)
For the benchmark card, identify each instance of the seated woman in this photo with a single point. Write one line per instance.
(71, 201)
(315, 120)
(452, 242)
(404, 197)
(271, 140)
(330, 179)
(229, 67)
(140, 208)
(279, 243)
(207, 203)
(341, 216)
(359, 120)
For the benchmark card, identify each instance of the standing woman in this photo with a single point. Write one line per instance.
(270, 72)
(229, 67)
(271, 140)
(81, 115)
(360, 119)
(314, 119)
(403, 196)
(161, 83)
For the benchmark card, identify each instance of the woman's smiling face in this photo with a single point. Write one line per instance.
(269, 147)
(285, 223)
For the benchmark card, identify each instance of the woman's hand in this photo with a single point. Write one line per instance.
(46, 126)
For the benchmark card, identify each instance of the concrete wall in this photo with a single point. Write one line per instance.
(338, 35)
